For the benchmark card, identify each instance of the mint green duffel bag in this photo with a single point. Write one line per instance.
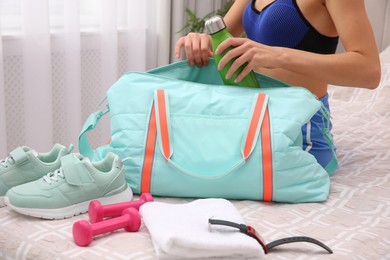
(182, 133)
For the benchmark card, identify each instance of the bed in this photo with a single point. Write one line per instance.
(354, 221)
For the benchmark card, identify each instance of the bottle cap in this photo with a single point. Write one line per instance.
(215, 24)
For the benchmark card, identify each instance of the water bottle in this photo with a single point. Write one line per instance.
(217, 29)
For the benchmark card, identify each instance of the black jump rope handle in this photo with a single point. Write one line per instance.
(267, 247)
(289, 240)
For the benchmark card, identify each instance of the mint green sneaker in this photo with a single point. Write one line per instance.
(67, 191)
(24, 165)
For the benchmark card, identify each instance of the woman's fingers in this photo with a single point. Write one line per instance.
(245, 61)
(236, 52)
(205, 50)
(188, 46)
(197, 48)
(245, 53)
(178, 46)
(230, 42)
(241, 61)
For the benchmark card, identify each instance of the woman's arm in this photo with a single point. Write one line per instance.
(233, 18)
(358, 66)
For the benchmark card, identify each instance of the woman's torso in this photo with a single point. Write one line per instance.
(298, 24)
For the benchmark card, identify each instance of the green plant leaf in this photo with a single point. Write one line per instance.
(196, 24)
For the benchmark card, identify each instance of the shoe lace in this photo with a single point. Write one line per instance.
(7, 161)
(54, 176)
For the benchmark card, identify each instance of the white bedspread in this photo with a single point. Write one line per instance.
(354, 221)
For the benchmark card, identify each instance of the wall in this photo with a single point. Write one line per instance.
(379, 14)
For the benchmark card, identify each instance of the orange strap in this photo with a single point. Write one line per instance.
(149, 153)
(266, 144)
(250, 137)
(267, 157)
(163, 123)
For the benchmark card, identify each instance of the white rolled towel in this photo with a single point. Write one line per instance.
(181, 231)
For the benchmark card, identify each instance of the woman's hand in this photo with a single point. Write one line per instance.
(197, 47)
(246, 51)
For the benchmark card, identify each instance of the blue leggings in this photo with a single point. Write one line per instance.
(318, 139)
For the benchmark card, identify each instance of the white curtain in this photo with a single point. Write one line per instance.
(3, 136)
(59, 57)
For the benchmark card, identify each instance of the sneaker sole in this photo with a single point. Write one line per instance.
(71, 211)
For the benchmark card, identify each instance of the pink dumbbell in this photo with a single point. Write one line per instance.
(97, 211)
(83, 231)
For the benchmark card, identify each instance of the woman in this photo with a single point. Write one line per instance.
(295, 41)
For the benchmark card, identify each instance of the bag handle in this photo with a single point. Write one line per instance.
(162, 113)
(90, 124)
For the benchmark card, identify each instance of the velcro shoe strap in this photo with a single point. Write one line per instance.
(75, 171)
(20, 156)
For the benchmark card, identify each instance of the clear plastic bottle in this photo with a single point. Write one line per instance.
(217, 29)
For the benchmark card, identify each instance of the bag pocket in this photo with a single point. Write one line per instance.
(223, 145)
